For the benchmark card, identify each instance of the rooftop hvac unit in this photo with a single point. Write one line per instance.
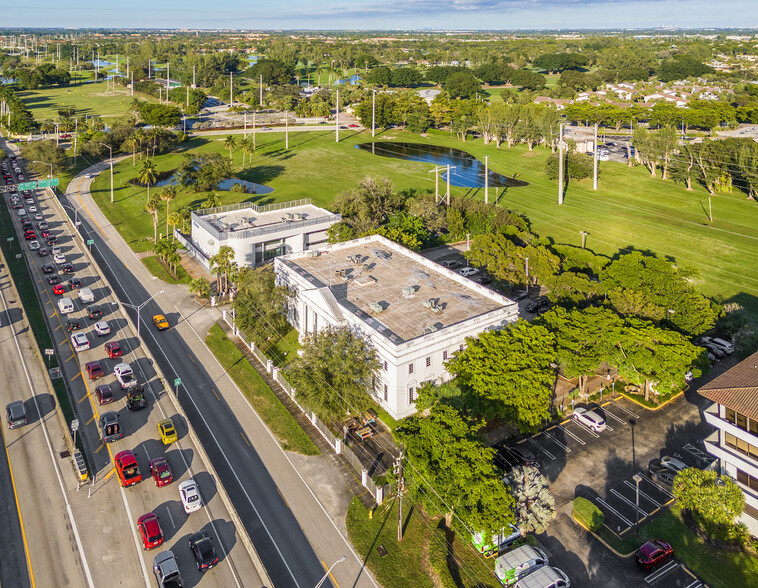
(339, 272)
(297, 216)
(311, 253)
(376, 307)
(436, 309)
(428, 303)
(366, 267)
(429, 330)
(408, 291)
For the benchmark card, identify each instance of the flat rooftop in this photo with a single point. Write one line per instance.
(377, 274)
(245, 219)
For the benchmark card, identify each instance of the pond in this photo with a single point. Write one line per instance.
(101, 62)
(353, 79)
(468, 172)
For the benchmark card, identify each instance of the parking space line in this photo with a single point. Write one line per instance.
(613, 416)
(662, 572)
(661, 488)
(627, 411)
(614, 511)
(82, 399)
(633, 487)
(542, 449)
(618, 494)
(587, 429)
(567, 449)
(696, 584)
(565, 430)
(110, 473)
(168, 511)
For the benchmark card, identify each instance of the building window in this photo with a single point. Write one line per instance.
(428, 361)
(729, 416)
(747, 480)
(386, 393)
(444, 356)
(740, 445)
(411, 398)
(410, 368)
(751, 511)
(741, 422)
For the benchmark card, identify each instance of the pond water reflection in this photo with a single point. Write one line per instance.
(468, 172)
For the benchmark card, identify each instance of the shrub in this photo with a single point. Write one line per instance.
(588, 514)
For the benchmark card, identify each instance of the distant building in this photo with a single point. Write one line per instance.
(429, 94)
(734, 413)
(257, 234)
(413, 311)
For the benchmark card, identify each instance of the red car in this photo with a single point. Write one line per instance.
(161, 472)
(113, 349)
(353, 126)
(95, 370)
(30, 235)
(45, 233)
(104, 394)
(128, 473)
(59, 289)
(150, 530)
(652, 554)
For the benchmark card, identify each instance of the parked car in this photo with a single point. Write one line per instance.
(662, 475)
(725, 346)
(127, 468)
(537, 305)
(520, 562)
(104, 394)
(545, 577)
(468, 271)
(15, 412)
(167, 431)
(201, 546)
(674, 464)
(451, 264)
(652, 554)
(150, 531)
(189, 494)
(590, 419)
(161, 472)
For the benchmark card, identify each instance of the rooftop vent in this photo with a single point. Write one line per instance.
(430, 329)
(376, 307)
(428, 303)
(408, 291)
(297, 216)
(436, 309)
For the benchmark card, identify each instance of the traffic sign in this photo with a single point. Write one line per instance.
(74, 425)
(178, 382)
(9, 239)
(48, 183)
(27, 185)
(18, 256)
(49, 351)
(90, 241)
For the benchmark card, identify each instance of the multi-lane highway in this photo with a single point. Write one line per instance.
(99, 543)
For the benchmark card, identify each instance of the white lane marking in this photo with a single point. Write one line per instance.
(634, 487)
(542, 449)
(614, 511)
(570, 434)
(629, 502)
(626, 410)
(662, 572)
(566, 447)
(612, 415)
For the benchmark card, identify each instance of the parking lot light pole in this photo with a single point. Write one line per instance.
(139, 307)
(637, 479)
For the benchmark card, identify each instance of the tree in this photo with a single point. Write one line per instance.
(152, 208)
(167, 195)
(200, 286)
(713, 501)
(204, 171)
(230, 143)
(451, 471)
(509, 371)
(133, 143)
(221, 265)
(534, 504)
(578, 166)
(410, 231)
(260, 307)
(273, 71)
(462, 85)
(45, 151)
(147, 175)
(368, 205)
(334, 375)
(212, 201)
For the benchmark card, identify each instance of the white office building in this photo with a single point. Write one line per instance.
(734, 413)
(414, 312)
(259, 233)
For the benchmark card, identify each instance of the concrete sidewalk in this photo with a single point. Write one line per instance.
(311, 486)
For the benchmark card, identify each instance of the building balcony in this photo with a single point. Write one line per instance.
(727, 455)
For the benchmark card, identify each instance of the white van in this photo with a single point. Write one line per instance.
(66, 305)
(516, 564)
(86, 296)
(468, 271)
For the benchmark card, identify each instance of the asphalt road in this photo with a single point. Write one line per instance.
(277, 535)
(118, 546)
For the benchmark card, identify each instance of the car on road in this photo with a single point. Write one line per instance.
(48, 268)
(57, 250)
(201, 546)
(662, 475)
(161, 472)
(45, 233)
(32, 208)
(59, 258)
(73, 325)
(39, 216)
(674, 464)
(653, 554)
(167, 431)
(52, 240)
(127, 468)
(135, 399)
(42, 225)
(150, 531)
(353, 126)
(21, 212)
(102, 328)
(166, 570)
(110, 427)
(15, 412)
(104, 394)
(125, 375)
(160, 322)
(189, 494)
(94, 312)
(94, 369)
(80, 342)
(75, 283)
(29, 235)
(34, 244)
(67, 268)
(42, 252)
(113, 349)
(590, 419)
(59, 289)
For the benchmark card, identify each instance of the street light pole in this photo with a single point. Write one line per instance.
(138, 308)
(373, 114)
(326, 575)
(46, 163)
(110, 149)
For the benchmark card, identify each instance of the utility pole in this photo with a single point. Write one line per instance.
(337, 122)
(286, 129)
(260, 90)
(132, 75)
(168, 78)
(399, 472)
(526, 261)
(447, 194)
(253, 130)
(594, 174)
(486, 179)
(187, 96)
(373, 114)
(244, 129)
(560, 166)
(231, 90)
(127, 65)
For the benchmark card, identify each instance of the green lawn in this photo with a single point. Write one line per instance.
(719, 568)
(276, 416)
(423, 549)
(155, 267)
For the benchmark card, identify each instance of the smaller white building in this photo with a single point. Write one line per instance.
(259, 233)
(415, 313)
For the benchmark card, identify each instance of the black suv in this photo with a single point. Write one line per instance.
(73, 325)
(95, 312)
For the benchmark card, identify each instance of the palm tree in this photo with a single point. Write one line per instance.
(212, 201)
(47, 126)
(246, 148)
(535, 506)
(147, 175)
(167, 195)
(201, 287)
(173, 259)
(221, 264)
(152, 208)
(133, 143)
(230, 143)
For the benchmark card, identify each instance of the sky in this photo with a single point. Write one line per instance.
(379, 14)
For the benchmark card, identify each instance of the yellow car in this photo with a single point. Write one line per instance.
(167, 431)
(160, 322)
